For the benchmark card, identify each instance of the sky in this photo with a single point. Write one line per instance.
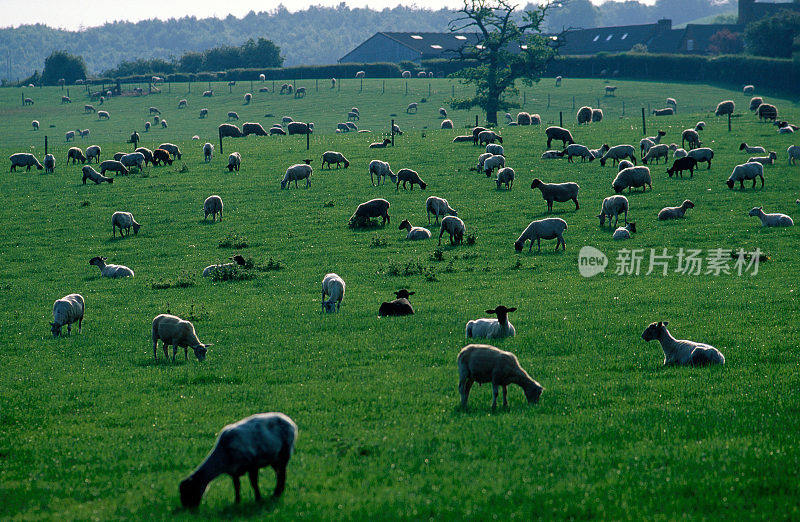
(74, 14)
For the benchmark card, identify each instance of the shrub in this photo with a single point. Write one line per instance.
(183, 280)
(233, 240)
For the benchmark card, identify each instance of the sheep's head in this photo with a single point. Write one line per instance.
(729, 183)
(238, 259)
(602, 217)
(518, 245)
(502, 313)
(55, 329)
(200, 352)
(404, 225)
(98, 261)
(533, 390)
(329, 306)
(191, 492)
(536, 183)
(346, 163)
(602, 162)
(654, 331)
(403, 294)
(755, 211)
(687, 204)
(631, 227)
(743, 146)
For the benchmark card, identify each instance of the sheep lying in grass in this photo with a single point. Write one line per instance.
(24, 159)
(208, 152)
(632, 177)
(462, 139)
(491, 328)
(438, 207)
(397, 307)
(612, 207)
(549, 228)
(330, 157)
(123, 221)
(794, 153)
(381, 169)
(771, 220)
(332, 285)
(414, 233)
(553, 154)
(752, 150)
(212, 205)
(409, 176)
(624, 232)
(505, 176)
(668, 111)
(380, 144)
(173, 330)
(484, 363)
(370, 209)
(91, 174)
(453, 226)
(681, 352)
(67, 310)
(264, 439)
(560, 192)
(300, 171)
(746, 171)
(234, 161)
(211, 270)
(112, 271)
(764, 160)
(675, 212)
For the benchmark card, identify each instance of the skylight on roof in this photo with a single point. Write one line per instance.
(523, 47)
(460, 37)
(624, 36)
(479, 46)
(416, 37)
(609, 37)
(436, 46)
(596, 38)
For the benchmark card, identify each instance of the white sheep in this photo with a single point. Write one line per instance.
(264, 439)
(482, 158)
(746, 171)
(103, 115)
(212, 270)
(619, 152)
(624, 164)
(645, 144)
(212, 205)
(24, 159)
(557, 192)
(682, 352)
(692, 137)
(581, 151)
(453, 226)
(488, 136)
(93, 153)
(493, 162)
(381, 169)
(484, 363)
(208, 152)
(332, 285)
(725, 107)
(700, 125)
(172, 330)
(70, 135)
(752, 150)
(67, 310)
(667, 213)
(123, 221)
(411, 107)
(548, 228)
(330, 157)
(234, 161)
(300, 171)
(612, 207)
(505, 176)
(414, 233)
(794, 153)
(447, 124)
(625, 232)
(491, 328)
(680, 153)
(771, 220)
(494, 148)
(598, 153)
(35, 125)
(552, 154)
(786, 130)
(49, 163)
(172, 149)
(703, 154)
(765, 160)
(134, 159)
(656, 151)
(748, 89)
(632, 177)
(112, 271)
(438, 207)
(91, 174)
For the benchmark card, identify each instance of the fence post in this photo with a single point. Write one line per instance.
(524, 97)
(251, 85)
(454, 91)
(598, 103)
(316, 84)
(361, 88)
(383, 87)
(548, 100)
(560, 118)
(429, 90)
(22, 94)
(220, 141)
(406, 87)
(623, 107)
(308, 140)
(644, 124)
(273, 86)
(392, 129)
(573, 103)
(729, 122)
(476, 120)
(45, 145)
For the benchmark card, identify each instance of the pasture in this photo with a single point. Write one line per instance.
(92, 427)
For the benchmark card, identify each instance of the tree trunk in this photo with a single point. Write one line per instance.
(491, 117)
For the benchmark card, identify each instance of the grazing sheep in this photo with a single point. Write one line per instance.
(505, 176)
(27, 101)
(752, 150)
(118, 156)
(482, 158)
(410, 176)
(624, 232)
(611, 91)
(70, 135)
(333, 83)
(746, 171)
(414, 233)
(618, 152)
(669, 111)
(380, 169)
(371, 209)
(656, 151)
(123, 221)
(680, 153)
(560, 192)
(49, 163)
(360, 74)
(134, 159)
(794, 153)
(581, 151)
(493, 162)
(725, 107)
(558, 81)
(113, 166)
(411, 107)
(632, 177)
(147, 126)
(491, 328)
(523, 118)
(397, 307)
(748, 89)
(767, 112)
(756, 102)
(700, 125)
(161, 156)
(330, 157)
(598, 153)
(447, 124)
(396, 130)
(247, 98)
(234, 161)
(552, 154)
(212, 205)
(298, 127)
(67, 310)
(405, 74)
(35, 125)
(24, 159)
(93, 153)
(212, 270)
(208, 94)
(172, 149)
(208, 152)
(353, 116)
(332, 285)
(494, 148)
(453, 226)
(228, 130)
(673, 102)
(163, 124)
(112, 271)
(489, 137)
(682, 164)
(613, 206)
(249, 128)
(83, 133)
(597, 115)
(475, 133)
(232, 115)
(683, 352)
(703, 154)
(93, 175)
(203, 112)
(771, 220)
(584, 115)
(484, 363)
(645, 144)
(692, 137)
(623, 164)
(103, 115)
(75, 154)
(764, 160)
(88, 108)
(296, 173)
(438, 207)
(173, 330)
(548, 228)
(442, 112)
(675, 212)
(66, 99)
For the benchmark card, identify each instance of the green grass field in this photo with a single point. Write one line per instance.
(91, 427)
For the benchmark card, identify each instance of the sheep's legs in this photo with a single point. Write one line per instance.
(186, 353)
(280, 479)
(236, 486)
(494, 396)
(575, 199)
(253, 474)
(464, 387)
(166, 351)
(505, 399)
(79, 324)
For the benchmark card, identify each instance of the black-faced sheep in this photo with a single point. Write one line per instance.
(484, 363)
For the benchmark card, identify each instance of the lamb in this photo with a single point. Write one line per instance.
(668, 111)
(505, 176)
(247, 98)
(624, 232)
(93, 153)
(203, 112)
(112, 271)
(134, 159)
(489, 137)
(75, 154)
(683, 352)
(208, 152)
(794, 153)
(35, 125)
(212, 270)
(619, 152)
(67, 310)
(24, 159)
(70, 135)
(228, 130)
(725, 107)
(172, 149)
(494, 148)
(767, 112)
(493, 162)
(560, 192)
(746, 171)
(212, 205)
(523, 118)
(682, 164)
(249, 128)
(656, 151)
(771, 220)
(632, 177)
(756, 102)
(411, 107)
(476, 131)
(598, 153)
(765, 160)
(298, 127)
(123, 220)
(147, 126)
(333, 286)
(49, 163)
(613, 206)
(380, 144)
(232, 115)
(398, 307)
(748, 89)
(675, 212)
(692, 137)
(645, 144)
(680, 153)
(172, 330)
(414, 233)
(208, 94)
(330, 157)
(447, 124)
(453, 226)
(371, 209)
(584, 115)
(581, 151)
(703, 154)
(610, 91)
(161, 156)
(88, 108)
(114, 166)
(597, 115)
(548, 228)
(234, 161)
(491, 328)
(93, 175)
(552, 154)
(438, 207)
(484, 363)
(442, 112)
(101, 115)
(380, 169)
(410, 176)
(752, 150)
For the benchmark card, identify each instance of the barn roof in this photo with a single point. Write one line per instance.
(619, 38)
(433, 45)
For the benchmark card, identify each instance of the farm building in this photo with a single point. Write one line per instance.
(396, 47)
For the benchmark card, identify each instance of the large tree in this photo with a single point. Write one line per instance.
(773, 35)
(511, 47)
(61, 64)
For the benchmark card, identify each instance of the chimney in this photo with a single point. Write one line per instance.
(663, 26)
